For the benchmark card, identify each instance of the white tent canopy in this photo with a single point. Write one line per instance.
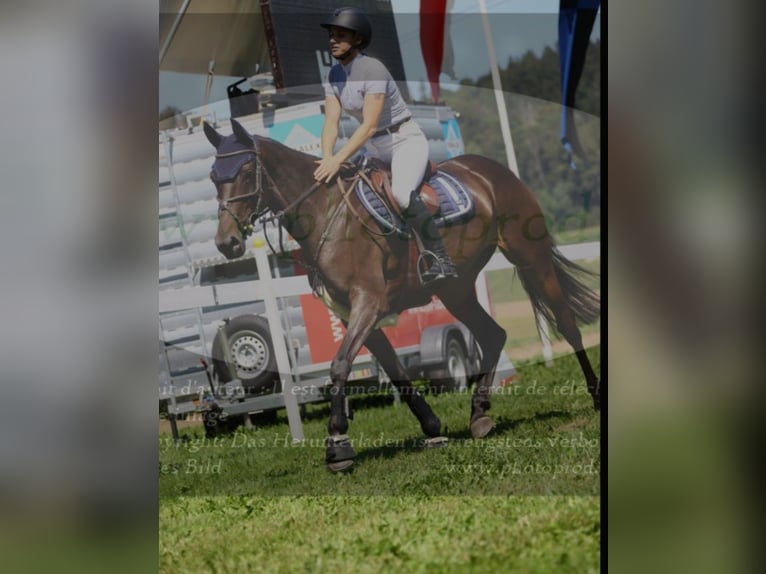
(229, 33)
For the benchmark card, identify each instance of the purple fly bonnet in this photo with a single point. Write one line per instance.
(232, 152)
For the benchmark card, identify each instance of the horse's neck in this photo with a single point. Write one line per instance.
(292, 174)
(289, 171)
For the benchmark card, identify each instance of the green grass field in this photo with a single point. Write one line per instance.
(524, 499)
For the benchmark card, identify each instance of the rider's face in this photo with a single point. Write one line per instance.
(341, 40)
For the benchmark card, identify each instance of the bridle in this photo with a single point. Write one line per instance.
(245, 228)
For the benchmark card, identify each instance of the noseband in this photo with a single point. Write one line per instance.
(223, 204)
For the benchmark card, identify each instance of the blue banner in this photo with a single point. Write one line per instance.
(576, 19)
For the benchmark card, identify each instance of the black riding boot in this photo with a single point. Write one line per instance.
(440, 265)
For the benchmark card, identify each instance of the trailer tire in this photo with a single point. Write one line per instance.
(252, 360)
(454, 374)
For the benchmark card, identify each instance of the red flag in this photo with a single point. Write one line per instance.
(432, 13)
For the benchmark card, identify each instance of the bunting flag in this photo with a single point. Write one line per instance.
(432, 21)
(576, 19)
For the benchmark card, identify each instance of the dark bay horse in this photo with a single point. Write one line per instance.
(370, 275)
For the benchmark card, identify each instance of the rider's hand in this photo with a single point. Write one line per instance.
(327, 169)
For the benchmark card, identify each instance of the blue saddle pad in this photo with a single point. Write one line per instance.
(456, 204)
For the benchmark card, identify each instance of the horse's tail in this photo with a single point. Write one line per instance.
(584, 303)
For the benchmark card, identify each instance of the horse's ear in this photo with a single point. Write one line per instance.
(212, 136)
(242, 136)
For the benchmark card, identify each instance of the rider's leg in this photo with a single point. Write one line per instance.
(422, 223)
(408, 166)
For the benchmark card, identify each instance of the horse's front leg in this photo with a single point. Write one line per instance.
(362, 318)
(378, 343)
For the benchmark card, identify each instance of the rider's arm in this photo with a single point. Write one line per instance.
(330, 164)
(373, 106)
(330, 127)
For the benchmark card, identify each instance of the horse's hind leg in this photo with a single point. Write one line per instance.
(545, 290)
(362, 318)
(491, 339)
(381, 347)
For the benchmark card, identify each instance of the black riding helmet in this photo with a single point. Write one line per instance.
(351, 19)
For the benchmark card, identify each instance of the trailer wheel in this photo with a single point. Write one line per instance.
(453, 375)
(246, 342)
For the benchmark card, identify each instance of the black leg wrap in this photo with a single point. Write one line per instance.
(479, 408)
(595, 393)
(429, 422)
(338, 421)
(339, 455)
(480, 423)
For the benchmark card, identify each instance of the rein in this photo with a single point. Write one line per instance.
(328, 226)
(282, 212)
(344, 193)
(247, 228)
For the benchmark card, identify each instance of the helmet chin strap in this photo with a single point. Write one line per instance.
(345, 54)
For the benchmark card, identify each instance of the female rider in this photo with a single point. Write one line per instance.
(363, 87)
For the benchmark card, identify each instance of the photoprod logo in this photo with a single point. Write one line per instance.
(535, 227)
(553, 471)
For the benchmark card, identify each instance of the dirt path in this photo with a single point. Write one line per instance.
(520, 309)
(526, 352)
(513, 309)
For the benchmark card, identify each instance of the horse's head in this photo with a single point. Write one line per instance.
(236, 174)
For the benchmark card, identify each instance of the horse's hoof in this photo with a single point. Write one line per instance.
(481, 427)
(339, 455)
(339, 467)
(435, 442)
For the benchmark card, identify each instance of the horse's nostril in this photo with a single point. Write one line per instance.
(231, 246)
(234, 242)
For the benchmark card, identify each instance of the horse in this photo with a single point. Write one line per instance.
(367, 275)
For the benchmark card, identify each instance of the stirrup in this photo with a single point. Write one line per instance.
(430, 274)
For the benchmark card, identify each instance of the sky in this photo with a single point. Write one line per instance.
(517, 26)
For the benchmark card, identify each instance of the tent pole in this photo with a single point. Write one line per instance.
(173, 29)
(510, 154)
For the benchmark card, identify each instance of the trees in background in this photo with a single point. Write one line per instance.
(570, 197)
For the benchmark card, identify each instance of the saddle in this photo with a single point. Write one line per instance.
(446, 198)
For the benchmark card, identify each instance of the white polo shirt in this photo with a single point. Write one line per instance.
(366, 75)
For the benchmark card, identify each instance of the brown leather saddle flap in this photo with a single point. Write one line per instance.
(381, 184)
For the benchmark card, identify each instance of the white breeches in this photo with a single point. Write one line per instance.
(407, 152)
